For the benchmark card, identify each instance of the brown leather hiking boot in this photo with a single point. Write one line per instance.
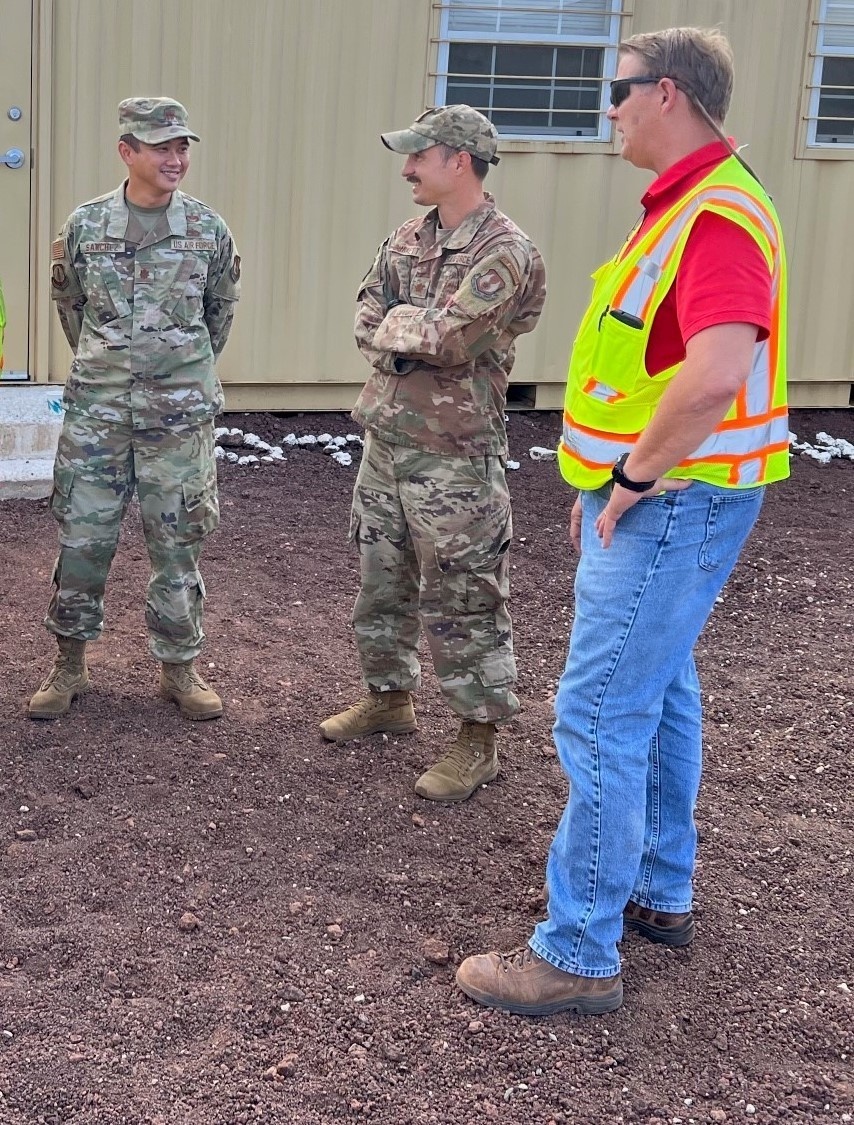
(389, 711)
(471, 762)
(655, 925)
(68, 677)
(524, 983)
(658, 925)
(183, 685)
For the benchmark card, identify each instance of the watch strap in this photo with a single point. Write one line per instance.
(619, 477)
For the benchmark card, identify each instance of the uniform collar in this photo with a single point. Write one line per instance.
(467, 229)
(119, 214)
(176, 214)
(690, 169)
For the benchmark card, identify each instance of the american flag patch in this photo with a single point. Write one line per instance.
(57, 250)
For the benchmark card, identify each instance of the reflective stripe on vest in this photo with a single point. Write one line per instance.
(738, 449)
(602, 421)
(635, 294)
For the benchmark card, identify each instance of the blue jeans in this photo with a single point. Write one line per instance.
(628, 724)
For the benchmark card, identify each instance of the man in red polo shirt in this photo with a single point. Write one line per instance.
(675, 421)
(722, 275)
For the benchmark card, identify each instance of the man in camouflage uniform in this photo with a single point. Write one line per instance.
(437, 316)
(145, 281)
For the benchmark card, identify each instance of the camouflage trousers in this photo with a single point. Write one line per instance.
(98, 467)
(433, 533)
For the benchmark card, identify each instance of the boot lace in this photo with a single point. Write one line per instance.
(517, 959)
(186, 679)
(464, 753)
(63, 676)
(459, 756)
(367, 706)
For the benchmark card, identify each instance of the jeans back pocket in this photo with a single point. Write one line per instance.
(730, 520)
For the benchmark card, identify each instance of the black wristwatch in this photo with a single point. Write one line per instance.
(620, 478)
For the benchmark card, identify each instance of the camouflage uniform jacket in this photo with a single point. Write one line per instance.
(437, 321)
(146, 314)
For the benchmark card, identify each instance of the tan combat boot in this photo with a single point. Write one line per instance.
(183, 685)
(68, 677)
(470, 762)
(390, 711)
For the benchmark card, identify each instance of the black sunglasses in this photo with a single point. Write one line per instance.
(622, 87)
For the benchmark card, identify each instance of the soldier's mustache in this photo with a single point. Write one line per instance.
(412, 180)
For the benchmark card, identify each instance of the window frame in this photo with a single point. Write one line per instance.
(809, 147)
(605, 141)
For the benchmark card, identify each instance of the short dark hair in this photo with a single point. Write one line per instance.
(130, 140)
(478, 166)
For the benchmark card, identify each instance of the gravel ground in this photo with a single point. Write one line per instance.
(232, 922)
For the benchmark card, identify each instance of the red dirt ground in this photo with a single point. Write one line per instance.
(330, 905)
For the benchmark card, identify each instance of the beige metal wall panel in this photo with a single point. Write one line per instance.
(289, 97)
(16, 141)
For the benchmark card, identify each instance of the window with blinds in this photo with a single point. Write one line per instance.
(831, 112)
(536, 68)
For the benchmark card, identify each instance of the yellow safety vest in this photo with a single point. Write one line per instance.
(610, 398)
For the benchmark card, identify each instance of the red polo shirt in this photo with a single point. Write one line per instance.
(722, 278)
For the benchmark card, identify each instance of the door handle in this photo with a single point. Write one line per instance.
(12, 158)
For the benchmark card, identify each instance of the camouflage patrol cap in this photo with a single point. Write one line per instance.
(458, 126)
(153, 120)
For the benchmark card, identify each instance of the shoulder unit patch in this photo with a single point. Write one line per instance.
(488, 285)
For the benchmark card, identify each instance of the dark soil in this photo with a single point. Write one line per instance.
(329, 906)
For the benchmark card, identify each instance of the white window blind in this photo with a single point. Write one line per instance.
(530, 19)
(831, 101)
(536, 68)
(837, 28)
